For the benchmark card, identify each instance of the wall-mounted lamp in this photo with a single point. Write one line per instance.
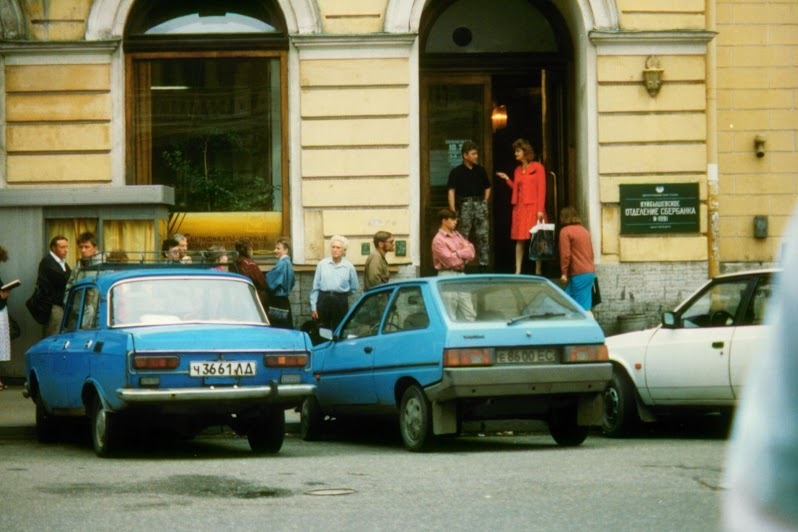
(759, 145)
(652, 75)
(498, 117)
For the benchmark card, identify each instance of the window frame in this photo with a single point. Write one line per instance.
(133, 173)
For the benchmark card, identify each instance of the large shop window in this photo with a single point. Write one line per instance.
(206, 116)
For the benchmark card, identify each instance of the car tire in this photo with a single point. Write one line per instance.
(47, 428)
(415, 420)
(564, 428)
(620, 410)
(104, 430)
(266, 435)
(311, 419)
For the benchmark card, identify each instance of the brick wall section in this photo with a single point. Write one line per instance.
(646, 288)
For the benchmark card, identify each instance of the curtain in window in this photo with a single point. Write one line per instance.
(129, 236)
(70, 228)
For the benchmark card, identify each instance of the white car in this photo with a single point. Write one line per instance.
(696, 360)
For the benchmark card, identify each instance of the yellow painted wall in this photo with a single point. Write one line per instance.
(653, 15)
(650, 140)
(58, 124)
(56, 20)
(757, 47)
(355, 134)
(352, 16)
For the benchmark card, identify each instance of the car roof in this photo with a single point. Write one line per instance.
(106, 278)
(433, 280)
(748, 273)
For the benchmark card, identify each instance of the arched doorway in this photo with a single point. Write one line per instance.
(476, 63)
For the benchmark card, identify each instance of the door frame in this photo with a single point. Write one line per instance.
(453, 77)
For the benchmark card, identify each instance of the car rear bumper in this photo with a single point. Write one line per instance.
(494, 381)
(273, 394)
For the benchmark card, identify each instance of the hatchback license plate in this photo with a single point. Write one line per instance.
(537, 355)
(246, 368)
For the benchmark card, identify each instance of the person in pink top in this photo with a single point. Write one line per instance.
(450, 254)
(528, 199)
(576, 258)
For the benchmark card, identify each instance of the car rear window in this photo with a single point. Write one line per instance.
(172, 300)
(505, 300)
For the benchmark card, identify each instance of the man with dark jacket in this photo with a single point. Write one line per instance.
(52, 279)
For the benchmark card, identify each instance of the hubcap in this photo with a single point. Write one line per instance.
(611, 401)
(413, 418)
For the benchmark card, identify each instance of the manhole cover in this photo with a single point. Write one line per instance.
(331, 491)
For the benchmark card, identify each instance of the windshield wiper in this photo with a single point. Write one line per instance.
(536, 315)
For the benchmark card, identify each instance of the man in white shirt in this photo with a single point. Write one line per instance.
(334, 282)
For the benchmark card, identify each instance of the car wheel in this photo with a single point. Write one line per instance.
(620, 411)
(415, 421)
(564, 428)
(266, 435)
(311, 419)
(46, 423)
(104, 429)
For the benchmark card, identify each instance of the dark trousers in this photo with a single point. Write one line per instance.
(281, 302)
(332, 307)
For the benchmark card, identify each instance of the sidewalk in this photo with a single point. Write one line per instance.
(15, 410)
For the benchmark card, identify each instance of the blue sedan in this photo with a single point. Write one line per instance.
(175, 348)
(443, 350)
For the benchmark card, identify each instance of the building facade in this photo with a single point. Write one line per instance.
(669, 124)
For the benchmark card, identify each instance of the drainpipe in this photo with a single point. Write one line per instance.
(713, 221)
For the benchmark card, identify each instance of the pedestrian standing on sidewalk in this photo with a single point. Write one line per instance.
(5, 334)
(469, 192)
(52, 278)
(335, 280)
(376, 270)
(576, 258)
(280, 281)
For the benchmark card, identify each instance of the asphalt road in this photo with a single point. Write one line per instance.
(667, 479)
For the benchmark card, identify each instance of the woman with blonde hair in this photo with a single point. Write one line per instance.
(528, 199)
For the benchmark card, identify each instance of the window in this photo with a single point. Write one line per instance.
(408, 311)
(206, 94)
(365, 321)
(91, 313)
(717, 306)
(73, 311)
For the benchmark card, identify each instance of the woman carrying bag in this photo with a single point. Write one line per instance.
(528, 199)
(576, 258)
(280, 281)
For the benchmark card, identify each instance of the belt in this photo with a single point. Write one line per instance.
(472, 198)
(451, 270)
(331, 293)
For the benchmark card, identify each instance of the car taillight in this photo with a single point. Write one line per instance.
(288, 360)
(585, 353)
(453, 358)
(156, 362)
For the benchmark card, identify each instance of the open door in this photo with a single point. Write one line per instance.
(454, 108)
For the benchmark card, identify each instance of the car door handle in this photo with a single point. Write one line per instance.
(368, 349)
(717, 345)
(88, 344)
(66, 345)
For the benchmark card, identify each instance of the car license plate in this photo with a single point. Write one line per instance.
(532, 355)
(244, 368)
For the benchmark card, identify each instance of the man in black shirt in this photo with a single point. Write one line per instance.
(469, 192)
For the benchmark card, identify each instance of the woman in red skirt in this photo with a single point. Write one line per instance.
(528, 199)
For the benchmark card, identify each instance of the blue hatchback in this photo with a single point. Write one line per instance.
(178, 348)
(442, 350)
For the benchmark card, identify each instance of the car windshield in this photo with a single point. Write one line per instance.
(508, 300)
(173, 300)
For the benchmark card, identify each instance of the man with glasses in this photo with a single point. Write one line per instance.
(376, 271)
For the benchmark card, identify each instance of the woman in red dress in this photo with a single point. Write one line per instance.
(528, 199)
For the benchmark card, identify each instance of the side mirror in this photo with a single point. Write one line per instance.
(325, 333)
(669, 320)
